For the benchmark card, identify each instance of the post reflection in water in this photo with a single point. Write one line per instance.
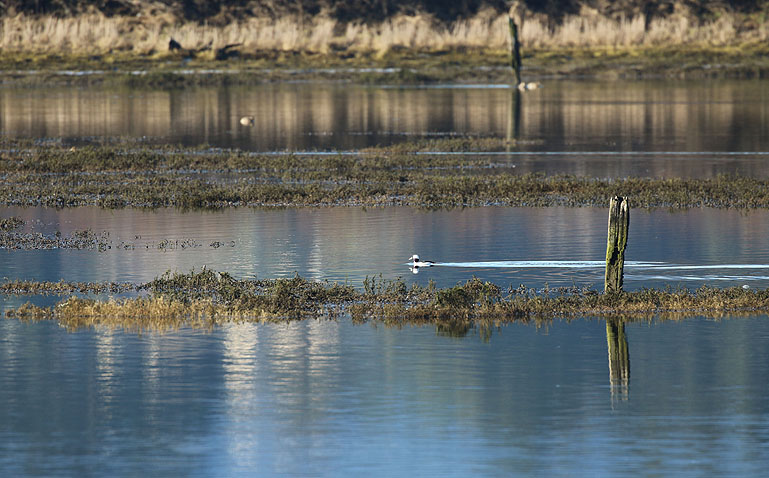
(619, 358)
(514, 123)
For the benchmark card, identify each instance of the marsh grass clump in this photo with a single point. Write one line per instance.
(13, 239)
(135, 314)
(30, 312)
(27, 287)
(294, 298)
(11, 223)
(207, 298)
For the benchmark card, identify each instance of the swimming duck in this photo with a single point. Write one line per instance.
(523, 86)
(415, 262)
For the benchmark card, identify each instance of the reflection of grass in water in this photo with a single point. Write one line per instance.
(205, 299)
(128, 176)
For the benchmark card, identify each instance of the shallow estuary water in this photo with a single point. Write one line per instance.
(642, 128)
(319, 398)
(509, 246)
(333, 399)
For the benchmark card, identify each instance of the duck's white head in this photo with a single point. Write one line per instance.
(414, 258)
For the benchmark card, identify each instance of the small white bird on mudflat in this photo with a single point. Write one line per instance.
(414, 261)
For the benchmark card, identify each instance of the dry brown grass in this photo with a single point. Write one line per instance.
(149, 34)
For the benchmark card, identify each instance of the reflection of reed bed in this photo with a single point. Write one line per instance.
(207, 298)
(113, 177)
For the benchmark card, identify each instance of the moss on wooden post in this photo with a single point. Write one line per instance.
(516, 50)
(619, 223)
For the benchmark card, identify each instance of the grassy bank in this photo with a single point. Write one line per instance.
(207, 298)
(468, 66)
(113, 177)
(415, 48)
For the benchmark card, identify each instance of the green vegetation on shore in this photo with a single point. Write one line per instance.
(205, 299)
(112, 177)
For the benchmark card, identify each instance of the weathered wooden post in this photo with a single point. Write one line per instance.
(619, 223)
(516, 14)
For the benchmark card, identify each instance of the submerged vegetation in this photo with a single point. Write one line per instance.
(208, 298)
(11, 238)
(117, 177)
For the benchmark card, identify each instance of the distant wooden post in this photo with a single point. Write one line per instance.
(619, 223)
(516, 13)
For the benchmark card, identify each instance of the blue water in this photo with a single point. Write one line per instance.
(318, 398)
(333, 399)
(509, 246)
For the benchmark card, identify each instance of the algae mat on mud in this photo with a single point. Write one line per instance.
(117, 177)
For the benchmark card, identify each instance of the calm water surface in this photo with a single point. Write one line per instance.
(333, 399)
(510, 246)
(647, 128)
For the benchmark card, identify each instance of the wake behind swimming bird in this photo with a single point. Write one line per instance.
(635, 270)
